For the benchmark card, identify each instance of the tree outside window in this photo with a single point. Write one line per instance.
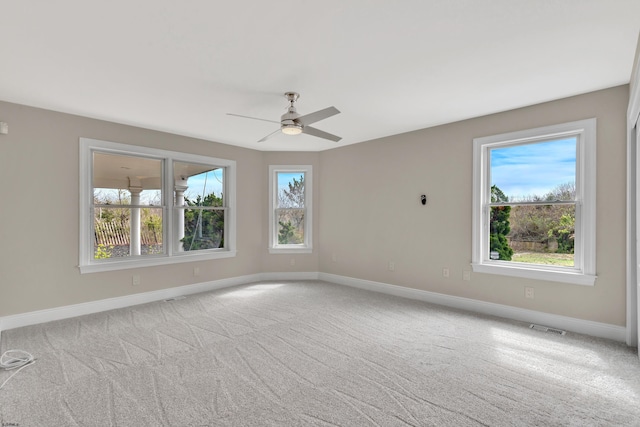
(290, 209)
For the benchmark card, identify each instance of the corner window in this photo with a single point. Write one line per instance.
(290, 209)
(142, 207)
(534, 203)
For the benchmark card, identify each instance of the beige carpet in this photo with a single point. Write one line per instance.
(313, 353)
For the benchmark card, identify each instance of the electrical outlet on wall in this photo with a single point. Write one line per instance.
(529, 293)
(445, 272)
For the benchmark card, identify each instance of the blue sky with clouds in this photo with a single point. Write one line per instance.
(205, 183)
(533, 169)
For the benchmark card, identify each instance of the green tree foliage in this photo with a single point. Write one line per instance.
(499, 225)
(102, 252)
(539, 223)
(203, 228)
(153, 223)
(563, 231)
(121, 215)
(287, 233)
(563, 223)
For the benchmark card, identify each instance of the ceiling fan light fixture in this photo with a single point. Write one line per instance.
(291, 129)
(292, 123)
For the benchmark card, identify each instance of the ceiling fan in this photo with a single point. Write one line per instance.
(292, 123)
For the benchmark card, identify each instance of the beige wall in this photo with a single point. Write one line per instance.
(370, 212)
(39, 170)
(366, 210)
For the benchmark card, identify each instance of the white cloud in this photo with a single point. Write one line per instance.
(533, 169)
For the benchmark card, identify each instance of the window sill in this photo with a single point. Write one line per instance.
(290, 250)
(152, 261)
(553, 275)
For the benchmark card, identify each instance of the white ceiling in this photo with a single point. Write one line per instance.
(389, 67)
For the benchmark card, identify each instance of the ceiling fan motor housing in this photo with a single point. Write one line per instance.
(289, 116)
(291, 113)
(288, 123)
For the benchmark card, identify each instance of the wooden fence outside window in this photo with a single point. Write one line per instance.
(118, 234)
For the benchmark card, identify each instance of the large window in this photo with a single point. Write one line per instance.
(141, 206)
(290, 209)
(534, 203)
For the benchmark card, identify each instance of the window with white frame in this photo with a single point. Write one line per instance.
(534, 211)
(290, 209)
(141, 206)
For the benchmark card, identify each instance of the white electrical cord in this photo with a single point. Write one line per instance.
(15, 359)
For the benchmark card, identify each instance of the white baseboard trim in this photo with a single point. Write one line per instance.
(290, 276)
(65, 312)
(587, 327)
(603, 330)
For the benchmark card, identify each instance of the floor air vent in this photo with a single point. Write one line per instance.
(546, 329)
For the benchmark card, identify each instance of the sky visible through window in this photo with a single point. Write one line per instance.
(198, 185)
(204, 184)
(284, 178)
(533, 169)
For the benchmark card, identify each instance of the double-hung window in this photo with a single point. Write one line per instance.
(141, 206)
(290, 209)
(534, 203)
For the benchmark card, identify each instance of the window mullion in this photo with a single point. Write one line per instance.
(537, 203)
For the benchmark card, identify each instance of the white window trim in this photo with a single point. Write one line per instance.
(307, 246)
(86, 262)
(584, 272)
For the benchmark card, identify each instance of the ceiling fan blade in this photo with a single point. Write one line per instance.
(270, 135)
(307, 119)
(253, 118)
(320, 133)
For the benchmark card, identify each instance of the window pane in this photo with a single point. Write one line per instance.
(541, 234)
(203, 229)
(290, 226)
(202, 185)
(290, 189)
(540, 171)
(114, 232)
(125, 180)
